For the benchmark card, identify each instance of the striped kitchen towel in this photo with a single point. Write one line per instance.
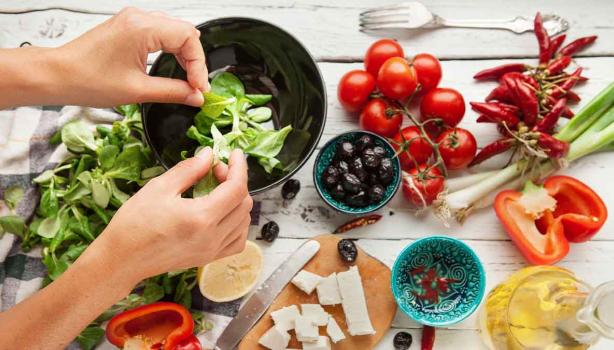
(25, 152)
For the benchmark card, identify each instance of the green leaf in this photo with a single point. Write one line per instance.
(152, 292)
(77, 192)
(100, 193)
(13, 224)
(49, 227)
(194, 134)
(128, 110)
(258, 99)
(128, 164)
(107, 155)
(214, 104)
(207, 184)
(12, 196)
(221, 147)
(267, 144)
(204, 122)
(49, 204)
(44, 177)
(118, 194)
(150, 173)
(78, 137)
(90, 337)
(227, 85)
(269, 164)
(56, 138)
(259, 114)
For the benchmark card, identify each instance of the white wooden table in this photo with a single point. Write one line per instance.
(329, 29)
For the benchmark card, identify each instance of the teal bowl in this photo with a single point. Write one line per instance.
(325, 158)
(421, 293)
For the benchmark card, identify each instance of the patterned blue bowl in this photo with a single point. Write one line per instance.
(325, 158)
(438, 281)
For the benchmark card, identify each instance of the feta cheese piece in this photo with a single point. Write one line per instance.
(284, 317)
(354, 303)
(305, 329)
(328, 290)
(275, 339)
(306, 281)
(334, 331)
(315, 313)
(322, 343)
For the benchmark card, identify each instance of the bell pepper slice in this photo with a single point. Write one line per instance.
(159, 326)
(543, 233)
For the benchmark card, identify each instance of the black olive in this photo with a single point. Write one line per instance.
(347, 249)
(385, 171)
(358, 169)
(402, 341)
(379, 151)
(330, 177)
(376, 193)
(343, 166)
(290, 189)
(345, 150)
(373, 179)
(365, 141)
(369, 159)
(357, 200)
(337, 192)
(269, 231)
(351, 183)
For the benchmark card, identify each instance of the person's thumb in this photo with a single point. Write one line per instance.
(188, 172)
(167, 90)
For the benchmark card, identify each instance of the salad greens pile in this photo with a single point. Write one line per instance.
(80, 196)
(228, 108)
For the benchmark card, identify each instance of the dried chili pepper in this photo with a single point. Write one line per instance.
(549, 120)
(572, 96)
(498, 71)
(528, 103)
(567, 113)
(577, 45)
(428, 338)
(558, 64)
(555, 44)
(492, 149)
(358, 222)
(500, 93)
(494, 113)
(543, 40)
(553, 147)
(560, 90)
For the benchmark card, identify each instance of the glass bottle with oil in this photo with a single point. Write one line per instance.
(547, 308)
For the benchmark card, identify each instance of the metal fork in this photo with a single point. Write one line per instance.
(413, 15)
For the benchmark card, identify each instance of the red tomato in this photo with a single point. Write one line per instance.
(354, 89)
(457, 147)
(380, 118)
(429, 71)
(426, 183)
(397, 79)
(412, 147)
(379, 52)
(446, 107)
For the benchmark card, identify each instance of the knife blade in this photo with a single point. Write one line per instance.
(263, 297)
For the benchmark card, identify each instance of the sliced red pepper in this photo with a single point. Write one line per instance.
(161, 325)
(577, 216)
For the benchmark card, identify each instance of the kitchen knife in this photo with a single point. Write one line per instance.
(262, 298)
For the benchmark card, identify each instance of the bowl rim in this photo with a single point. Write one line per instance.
(407, 311)
(335, 139)
(313, 147)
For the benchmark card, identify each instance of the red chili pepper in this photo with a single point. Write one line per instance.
(522, 77)
(561, 90)
(492, 149)
(358, 222)
(557, 65)
(528, 103)
(567, 113)
(496, 113)
(553, 147)
(555, 44)
(500, 93)
(506, 106)
(428, 338)
(543, 40)
(578, 215)
(577, 45)
(573, 97)
(498, 71)
(582, 79)
(549, 120)
(168, 326)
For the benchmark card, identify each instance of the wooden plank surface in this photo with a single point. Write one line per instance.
(329, 29)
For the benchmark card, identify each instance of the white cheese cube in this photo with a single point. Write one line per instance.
(315, 313)
(322, 343)
(305, 329)
(275, 339)
(306, 281)
(334, 331)
(328, 290)
(354, 303)
(284, 317)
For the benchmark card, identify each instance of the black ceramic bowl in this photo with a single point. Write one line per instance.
(268, 60)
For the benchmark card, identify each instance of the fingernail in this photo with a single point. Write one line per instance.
(195, 99)
(203, 153)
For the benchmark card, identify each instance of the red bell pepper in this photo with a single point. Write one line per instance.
(543, 220)
(158, 326)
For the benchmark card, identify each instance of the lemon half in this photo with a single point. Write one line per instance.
(231, 277)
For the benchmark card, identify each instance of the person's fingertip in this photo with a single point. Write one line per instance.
(195, 99)
(204, 153)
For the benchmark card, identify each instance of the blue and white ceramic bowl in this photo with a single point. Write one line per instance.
(438, 281)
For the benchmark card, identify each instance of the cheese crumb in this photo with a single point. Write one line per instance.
(284, 317)
(334, 331)
(315, 313)
(306, 281)
(328, 290)
(275, 339)
(322, 343)
(305, 329)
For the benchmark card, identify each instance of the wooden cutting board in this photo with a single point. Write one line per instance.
(376, 283)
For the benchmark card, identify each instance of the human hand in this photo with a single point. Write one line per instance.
(157, 230)
(107, 65)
